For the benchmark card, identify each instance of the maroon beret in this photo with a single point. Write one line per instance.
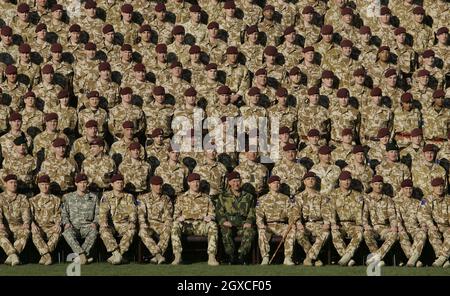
(213, 25)
(268, 7)
(6, 31)
(281, 92)
(126, 47)
(190, 92)
(56, 47)
(343, 93)
(59, 142)
(346, 10)
(194, 49)
(50, 116)
(127, 8)
(64, 93)
(134, 146)
(90, 46)
(90, 4)
(126, 91)
(418, 10)
(270, 50)
(437, 182)
(177, 30)
(252, 29)
(211, 66)
(314, 90)
(10, 177)
(161, 48)
(377, 178)
(24, 48)
(273, 178)
(284, 130)
(29, 94)
(439, 93)
(261, 71)
(233, 175)
(423, 72)
(390, 72)
(290, 147)
(56, 7)
(48, 69)
(10, 69)
(139, 68)
(442, 30)
(313, 133)
(399, 30)
(43, 179)
(294, 71)
(407, 183)
(145, 28)
(80, 177)
(428, 53)
(107, 28)
(116, 177)
(385, 10)
(224, 90)
(345, 175)
(308, 9)
(157, 132)
(159, 91)
(429, 148)
(357, 149)
(383, 48)
(23, 8)
(160, 7)
(376, 92)
(327, 74)
(40, 27)
(253, 91)
(128, 124)
(91, 123)
(93, 94)
(406, 97)
(308, 49)
(15, 116)
(104, 66)
(382, 132)
(193, 177)
(98, 142)
(327, 30)
(309, 175)
(75, 28)
(229, 5)
(416, 132)
(195, 8)
(232, 50)
(176, 64)
(156, 180)
(365, 30)
(324, 150)
(346, 132)
(289, 30)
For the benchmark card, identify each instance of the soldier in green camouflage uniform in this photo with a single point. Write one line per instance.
(235, 212)
(46, 220)
(155, 213)
(15, 211)
(117, 218)
(194, 213)
(80, 219)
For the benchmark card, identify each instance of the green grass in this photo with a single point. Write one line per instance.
(105, 269)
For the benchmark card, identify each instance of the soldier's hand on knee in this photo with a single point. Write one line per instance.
(367, 228)
(424, 227)
(335, 227)
(300, 226)
(26, 226)
(326, 226)
(2, 227)
(394, 229)
(262, 226)
(67, 226)
(228, 224)
(207, 219)
(247, 225)
(94, 226)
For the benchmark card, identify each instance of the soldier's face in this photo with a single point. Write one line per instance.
(212, 74)
(126, 98)
(269, 59)
(438, 190)
(211, 154)
(7, 39)
(291, 155)
(308, 17)
(91, 12)
(23, 16)
(290, 37)
(191, 100)
(384, 55)
(253, 37)
(348, 18)
(179, 38)
(376, 100)
(11, 186)
(429, 156)
(157, 189)
(126, 55)
(268, 14)
(313, 99)
(327, 37)
(377, 187)
(52, 125)
(392, 155)
(42, 34)
(359, 157)
(428, 61)
(213, 32)
(309, 56)
(146, 36)
(407, 191)
(160, 15)
(174, 156)
(416, 140)
(177, 71)
(82, 186)
(64, 101)
(11, 78)
(135, 153)
(224, 99)
(385, 19)
(251, 155)
(25, 57)
(47, 77)
(128, 133)
(254, 99)
(118, 185)
(261, 79)
(347, 51)
(195, 16)
(158, 139)
(127, 16)
(343, 101)
(230, 12)
(282, 100)
(94, 101)
(60, 151)
(325, 158)
(21, 149)
(96, 149)
(284, 137)
(359, 79)
(418, 18)
(442, 38)
(105, 75)
(231, 58)
(439, 101)
(401, 38)
(366, 37)
(274, 186)
(109, 37)
(75, 36)
(347, 139)
(90, 54)
(92, 131)
(195, 57)
(159, 99)
(392, 80)
(424, 80)
(56, 56)
(310, 182)
(44, 187)
(140, 75)
(384, 140)
(57, 14)
(194, 185)
(235, 184)
(16, 124)
(313, 140)
(345, 184)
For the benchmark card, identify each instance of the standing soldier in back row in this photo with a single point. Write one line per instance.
(236, 216)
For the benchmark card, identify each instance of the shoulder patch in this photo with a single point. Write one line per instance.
(423, 202)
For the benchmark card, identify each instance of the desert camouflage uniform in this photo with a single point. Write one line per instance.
(328, 174)
(291, 174)
(136, 174)
(61, 171)
(173, 175)
(393, 173)
(98, 169)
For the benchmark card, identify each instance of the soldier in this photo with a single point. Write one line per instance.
(308, 26)
(117, 218)
(135, 170)
(406, 57)
(161, 24)
(347, 211)
(421, 33)
(289, 49)
(393, 171)
(47, 90)
(327, 172)
(314, 215)
(233, 26)
(253, 174)
(309, 67)
(32, 118)
(46, 220)
(119, 150)
(237, 76)
(146, 47)
(194, 213)
(413, 153)
(158, 114)
(12, 88)
(252, 49)
(98, 166)
(194, 28)
(289, 170)
(80, 219)
(275, 215)
(173, 172)
(178, 51)
(29, 73)
(93, 111)
(60, 168)
(15, 220)
(271, 29)
(43, 142)
(347, 61)
(406, 118)
(360, 170)
(126, 27)
(368, 49)
(422, 89)
(108, 88)
(235, 213)
(379, 221)
(436, 120)
(155, 213)
(212, 172)
(6, 141)
(67, 116)
(391, 89)
(425, 169)
(312, 116)
(309, 154)
(411, 235)
(433, 209)
(344, 116)
(81, 146)
(342, 153)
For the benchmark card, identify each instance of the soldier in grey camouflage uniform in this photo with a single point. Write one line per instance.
(80, 219)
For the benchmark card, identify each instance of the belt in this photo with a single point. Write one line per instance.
(269, 222)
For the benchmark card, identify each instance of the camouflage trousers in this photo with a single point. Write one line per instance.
(45, 239)
(247, 235)
(418, 237)
(380, 232)
(264, 236)
(197, 227)
(316, 231)
(161, 231)
(125, 231)
(19, 239)
(440, 241)
(347, 230)
(86, 232)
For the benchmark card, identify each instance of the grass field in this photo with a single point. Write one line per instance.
(201, 269)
